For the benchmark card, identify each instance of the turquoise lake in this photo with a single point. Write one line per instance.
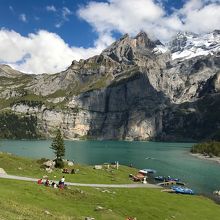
(171, 159)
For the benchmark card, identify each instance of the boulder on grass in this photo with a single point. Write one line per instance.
(99, 208)
(49, 164)
(49, 170)
(70, 163)
(2, 171)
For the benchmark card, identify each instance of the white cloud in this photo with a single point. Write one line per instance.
(62, 14)
(200, 17)
(47, 52)
(23, 17)
(123, 16)
(43, 51)
(100, 44)
(131, 16)
(51, 8)
(65, 13)
(58, 25)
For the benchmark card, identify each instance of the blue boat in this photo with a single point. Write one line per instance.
(159, 178)
(182, 190)
(173, 179)
(167, 179)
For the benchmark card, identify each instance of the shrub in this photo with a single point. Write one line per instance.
(59, 163)
(42, 160)
(211, 148)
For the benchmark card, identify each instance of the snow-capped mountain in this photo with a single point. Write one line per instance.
(187, 45)
(133, 90)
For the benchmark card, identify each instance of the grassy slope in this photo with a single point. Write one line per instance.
(31, 168)
(26, 200)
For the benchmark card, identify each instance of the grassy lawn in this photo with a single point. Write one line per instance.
(26, 200)
(32, 168)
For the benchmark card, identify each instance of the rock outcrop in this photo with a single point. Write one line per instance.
(136, 89)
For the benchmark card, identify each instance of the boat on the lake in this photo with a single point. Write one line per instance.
(167, 179)
(147, 171)
(182, 190)
(149, 158)
(216, 192)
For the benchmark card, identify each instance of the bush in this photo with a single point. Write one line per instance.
(42, 160)
(59, 163)
(211, 148)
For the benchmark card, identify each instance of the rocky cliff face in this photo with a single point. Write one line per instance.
(136, 89)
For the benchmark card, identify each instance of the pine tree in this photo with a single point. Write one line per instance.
(58, 148)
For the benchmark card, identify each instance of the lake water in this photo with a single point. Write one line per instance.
(171, 159)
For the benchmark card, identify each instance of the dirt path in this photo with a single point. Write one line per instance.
(5, 176)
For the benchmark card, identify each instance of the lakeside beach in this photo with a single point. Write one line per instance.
(206, 157)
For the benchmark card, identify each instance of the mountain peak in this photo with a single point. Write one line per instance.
(143, 41)
(216, 32)
(141, 34)
(126, 47)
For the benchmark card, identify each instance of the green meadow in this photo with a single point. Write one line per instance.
(28, 200)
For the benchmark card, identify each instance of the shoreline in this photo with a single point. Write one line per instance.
(201, 156)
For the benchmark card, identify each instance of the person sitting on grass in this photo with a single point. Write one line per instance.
(65, 170)
(40, 181)
(47, 183)
(54, 185)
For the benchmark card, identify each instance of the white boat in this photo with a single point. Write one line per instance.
(217, 192)
(146, 171)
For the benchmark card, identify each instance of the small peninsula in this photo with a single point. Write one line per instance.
(207, 150)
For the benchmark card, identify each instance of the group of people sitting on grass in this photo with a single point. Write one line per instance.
(51, 183)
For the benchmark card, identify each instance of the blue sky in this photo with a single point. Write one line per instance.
(38, 17)
(75, 29)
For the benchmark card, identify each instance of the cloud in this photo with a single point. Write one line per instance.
(23, 17)
(47, 52)
(51, 8)
(61, 13)
(58, 25)
(131, 16)
(65, 13)
(43, 51)
(123, 16)
(200, 16)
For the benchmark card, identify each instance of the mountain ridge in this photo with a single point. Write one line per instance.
(133, 90)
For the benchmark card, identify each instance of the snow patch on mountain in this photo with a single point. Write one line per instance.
(187, 45)
(160, 49)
